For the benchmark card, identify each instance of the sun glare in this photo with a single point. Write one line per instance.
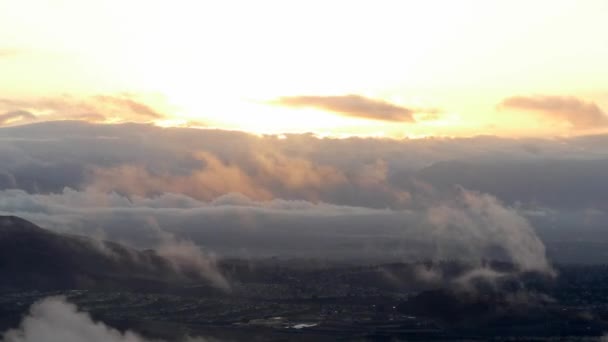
(215, 62)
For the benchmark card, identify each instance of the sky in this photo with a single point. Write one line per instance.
(359, 131)
(384, 130)
(343, 68)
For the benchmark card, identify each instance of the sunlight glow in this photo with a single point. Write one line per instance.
(215, 61)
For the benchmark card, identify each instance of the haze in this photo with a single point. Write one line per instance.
(394, 169)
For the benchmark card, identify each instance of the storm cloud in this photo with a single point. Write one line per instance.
(578, 113)
(352, 105)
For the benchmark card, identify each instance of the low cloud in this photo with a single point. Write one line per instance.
(55, 320)
(474, 216)
(578, 113)
(353, 106)
(17, 116)
(187, 258)
(464, 226)
(144, 160)
(272, 174)
(101, 108)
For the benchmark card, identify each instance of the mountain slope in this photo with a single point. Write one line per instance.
(32, 257)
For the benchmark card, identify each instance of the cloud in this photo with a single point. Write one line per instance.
(144, 160)
(53, 319)
(272, 174)
(481, 216)
(215, 179)
(101, 108)
(464, 225)
(564, 183)
(187, 258)
(134, 106)
(17, 116)
(340, 187)
(352, 105)
(578, 113)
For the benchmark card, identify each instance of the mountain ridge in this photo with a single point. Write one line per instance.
(31, 256)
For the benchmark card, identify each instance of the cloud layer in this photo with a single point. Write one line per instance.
(234, 193)
(146, 160)
(465, 225)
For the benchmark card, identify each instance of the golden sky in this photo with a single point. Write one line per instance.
(386, 68)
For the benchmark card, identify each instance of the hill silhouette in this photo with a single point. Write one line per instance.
(36, 258)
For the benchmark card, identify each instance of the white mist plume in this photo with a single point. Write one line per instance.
(55, 320)
(479, 223)
(185, 256)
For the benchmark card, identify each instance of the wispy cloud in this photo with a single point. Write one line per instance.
(578, 113)
(353, 106)
(16, 116)
(134, 106)
(100, 108)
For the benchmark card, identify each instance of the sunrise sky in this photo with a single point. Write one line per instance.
(370, 68)
(371, 130)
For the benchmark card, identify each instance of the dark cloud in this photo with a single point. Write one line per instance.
(578, 113)
(17, 116)
(352, 105)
